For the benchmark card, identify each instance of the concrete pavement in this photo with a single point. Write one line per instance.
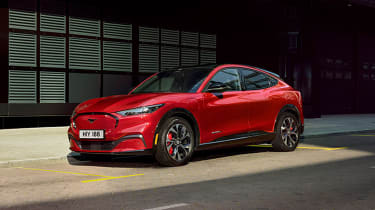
(38, 144)
(327, 172)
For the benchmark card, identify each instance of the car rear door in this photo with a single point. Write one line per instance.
(264, 99)
(224, 113)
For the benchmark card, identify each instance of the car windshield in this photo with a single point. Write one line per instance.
(183, 80)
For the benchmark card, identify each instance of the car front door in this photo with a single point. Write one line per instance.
(224, 110)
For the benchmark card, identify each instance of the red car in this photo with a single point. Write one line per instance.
(173, 113)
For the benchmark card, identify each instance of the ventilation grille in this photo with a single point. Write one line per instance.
(84, 53)
(22, 86)
(117, 56)
(189, 38)
(208, 40)
(52, 23)
(170, 36)
(22, 49)
(52, 87)
(117, 31)
(189, 57)
(208, 56)
(147, 34)
(22, 20)
(148, 58)
(84, 27)
(52, 51)
(169, 57)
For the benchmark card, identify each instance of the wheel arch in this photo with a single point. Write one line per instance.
(291, 109)
(183, 113)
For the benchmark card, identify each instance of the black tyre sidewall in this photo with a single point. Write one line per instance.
(161, 154)
(278, 143)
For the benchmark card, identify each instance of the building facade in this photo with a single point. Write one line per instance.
(58, 53)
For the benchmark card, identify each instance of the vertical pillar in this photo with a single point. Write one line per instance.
(4, 46)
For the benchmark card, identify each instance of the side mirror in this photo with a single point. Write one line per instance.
(217, 87)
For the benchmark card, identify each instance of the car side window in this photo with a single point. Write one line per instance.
(254, 80)
(229, 77)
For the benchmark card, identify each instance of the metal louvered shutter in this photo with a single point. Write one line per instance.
(52, 23)
(22, 20)
(22, 86)
(84, 53)
(117, 31)
(148, 58)
(52, 51)
(22, 49)
(208, 40)
(170, 36)
(147, 34)
(169, 57)
(189, 38)
(52, 87)
(86, 27)
(117, 56)
(189, 57)
(208, 56)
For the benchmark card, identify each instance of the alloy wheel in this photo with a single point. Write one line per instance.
(289, 132)
(178, 142)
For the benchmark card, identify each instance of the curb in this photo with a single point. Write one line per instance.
(335, 133)
(14, 163)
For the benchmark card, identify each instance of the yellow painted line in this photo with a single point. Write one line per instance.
(363, 135)
(321, 148)
(64, 172)
(156, 138)
(117, 177)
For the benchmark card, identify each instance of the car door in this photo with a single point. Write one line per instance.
(264, 101)
(224, 112)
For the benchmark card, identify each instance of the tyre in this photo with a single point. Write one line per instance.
(287, 133)
(175, 145)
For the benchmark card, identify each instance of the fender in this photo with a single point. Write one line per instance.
(181, 112)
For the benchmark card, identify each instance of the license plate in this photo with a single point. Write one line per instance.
(91, 134)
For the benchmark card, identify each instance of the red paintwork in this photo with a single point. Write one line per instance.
(236, 112)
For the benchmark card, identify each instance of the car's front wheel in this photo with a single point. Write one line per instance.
(175, 144)
(287, 133)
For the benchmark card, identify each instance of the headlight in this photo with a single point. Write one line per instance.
(140, 110)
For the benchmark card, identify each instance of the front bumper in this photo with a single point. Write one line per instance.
(124, 135)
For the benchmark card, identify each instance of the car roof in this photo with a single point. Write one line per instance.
(215, 65)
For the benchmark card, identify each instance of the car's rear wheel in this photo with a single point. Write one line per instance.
(175, 145)
(287, 133)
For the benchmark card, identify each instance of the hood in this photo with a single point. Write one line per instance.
(118, 102)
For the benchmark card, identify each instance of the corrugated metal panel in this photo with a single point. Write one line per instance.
(117, 56)
(22, 49)
(117, 31)
(148, 58)
(52, 51)
(52, 23)
(22, 20)
(84, 53)
(169, 57)
(170, 36)
(84, 27)
(22, 86)
(208, 40)
(52, 87)
(189, 57)
(189, 38)
(147, 34)
(208, 56)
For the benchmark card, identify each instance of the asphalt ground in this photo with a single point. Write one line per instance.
(326, 172)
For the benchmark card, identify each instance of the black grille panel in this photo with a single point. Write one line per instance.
(97, 145)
